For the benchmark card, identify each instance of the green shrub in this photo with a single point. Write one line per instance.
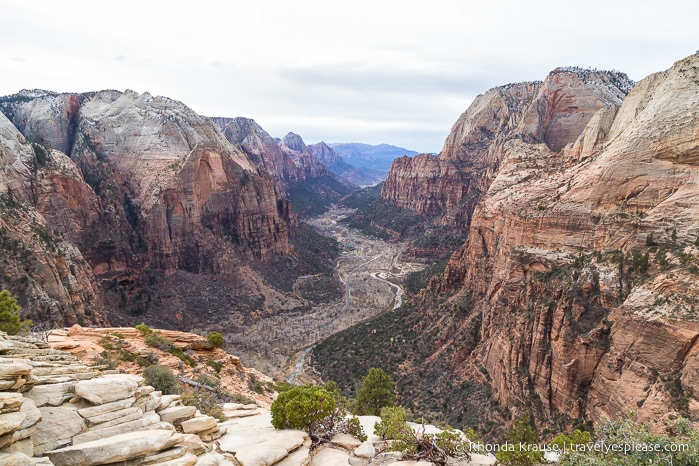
(321, 413)
(302, 408)
(523, 437)
(161, 378)
(179, 352)
(215, 339)
(10, 321)
(679, 448)
(215, 365)
(144, 329)
(154, 340)
(205, 401)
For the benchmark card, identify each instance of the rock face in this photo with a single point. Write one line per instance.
(292, 164)
(360, 176)
(49, 399)
(45, 204)
(143, 186)
(554, 112)
(582, 252)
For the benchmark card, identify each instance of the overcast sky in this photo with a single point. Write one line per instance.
(398, 72)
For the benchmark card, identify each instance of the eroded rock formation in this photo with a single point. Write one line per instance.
(582, 251)
(145, 188)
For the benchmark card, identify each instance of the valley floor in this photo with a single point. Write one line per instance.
(368, 267)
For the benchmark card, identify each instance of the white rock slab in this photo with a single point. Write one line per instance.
(365, 450)
(330, 457)
(198, 424)
(113, 449)
(109, 388)
(58, 426)
(255, 442)
(51, 394)
(367, 423)
(346, 441)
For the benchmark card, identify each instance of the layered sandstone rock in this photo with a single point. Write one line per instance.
(573, 321)
(148, 190)
(554, 112)
(45, 206)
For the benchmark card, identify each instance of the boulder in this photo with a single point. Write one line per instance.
(113, 449)
(10, 401)
(345, 441)
(15, 458)
(365, 450)
(51, 394)
(330, 457)
(177, 414)
(9, 422)
(108, 388)
(198, 424)
(194, 444)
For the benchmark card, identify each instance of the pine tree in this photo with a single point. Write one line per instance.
(376, 392)
(10, 321)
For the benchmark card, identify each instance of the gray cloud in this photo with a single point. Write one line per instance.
(393, 71)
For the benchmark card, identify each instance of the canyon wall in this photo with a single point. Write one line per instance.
(582, 251)
(148, 191)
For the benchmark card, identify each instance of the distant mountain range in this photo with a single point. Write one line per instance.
(378, 158)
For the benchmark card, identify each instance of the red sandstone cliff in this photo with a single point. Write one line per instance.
(582, 252)
(554, 112)
(153, 195)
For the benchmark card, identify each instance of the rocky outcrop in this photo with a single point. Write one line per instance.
(145, 188)
(308, 182)
(55, 409)
(581, 255)
(554, 112)
(45, 207)
(262, 149)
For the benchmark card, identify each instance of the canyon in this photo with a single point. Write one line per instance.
(574, 294)
(565, 210)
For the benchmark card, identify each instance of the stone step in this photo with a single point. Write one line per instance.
(99, 410)
(232, 414)
(165, 455)
(213, 434)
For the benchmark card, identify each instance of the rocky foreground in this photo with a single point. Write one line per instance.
(56, 409)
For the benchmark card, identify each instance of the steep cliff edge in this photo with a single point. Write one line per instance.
(311, 187)
(554, 112)
(51, 279)
(582, 262)
(153, 195)
(574, 295)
